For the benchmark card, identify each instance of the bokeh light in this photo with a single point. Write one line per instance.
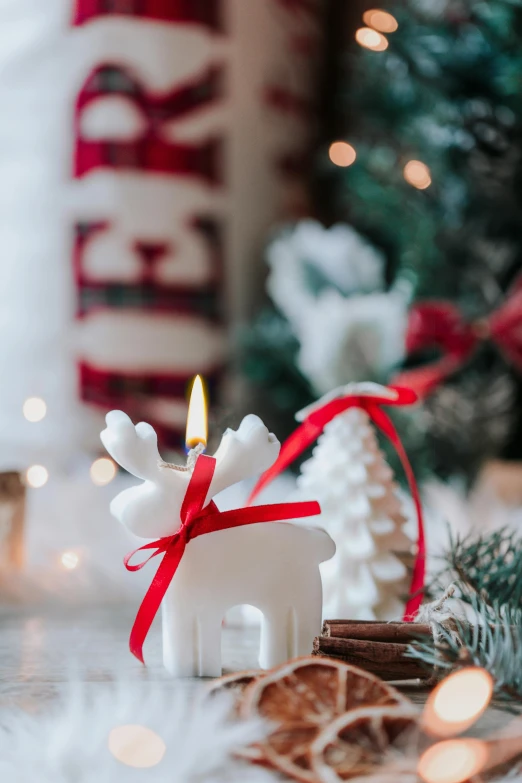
(37, 476)
(70, 560)
(457, 702)
(102, 471)
(452, 761)
(417, 174)
(341, 153)
(380, 20)
(371, 39)
(34, 409)
(136, 746)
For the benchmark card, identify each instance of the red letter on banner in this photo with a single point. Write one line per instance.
(203, 12)
(150, 151)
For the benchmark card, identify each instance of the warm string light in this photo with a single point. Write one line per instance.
(34, 409)
(417, 174)
(380, 20)
(197, 418)
(455, 705)
(453, 761)
(457, 702)
(341, 153)
(371, 39)
(136, 746)
(70, 560)
(37, 476)
(102, 471)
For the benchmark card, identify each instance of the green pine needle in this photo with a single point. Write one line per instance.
(489, 566)
(492, 639)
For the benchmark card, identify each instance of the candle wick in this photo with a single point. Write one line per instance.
(194, 454)
(191, 460)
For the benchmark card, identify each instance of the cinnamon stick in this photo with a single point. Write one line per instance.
(375, 631)
(385, 659)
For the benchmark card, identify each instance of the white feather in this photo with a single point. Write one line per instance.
(68, 740)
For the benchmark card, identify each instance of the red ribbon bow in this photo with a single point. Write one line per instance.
(441, 325)
(197, 520)
(313, 426)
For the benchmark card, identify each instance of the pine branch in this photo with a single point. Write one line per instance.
(492, 640)
(489, 566)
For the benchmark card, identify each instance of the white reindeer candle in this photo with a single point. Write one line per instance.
(215, 560)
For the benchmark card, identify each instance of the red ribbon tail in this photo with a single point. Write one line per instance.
(161, 545)
(154, 596)
(384, 423)
(424, 380)
(506, 327)
(293, 446)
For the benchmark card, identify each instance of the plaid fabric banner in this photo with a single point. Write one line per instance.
(208, 13)
(157, 108)
(146, 293)
(150, 152)
(203, 161)
(109, 388)
(133, 392)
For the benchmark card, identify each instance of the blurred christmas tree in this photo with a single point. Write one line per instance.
(426, 174)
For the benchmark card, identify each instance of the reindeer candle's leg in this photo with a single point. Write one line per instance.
(274, 637)
(210, 645)
(180, 632)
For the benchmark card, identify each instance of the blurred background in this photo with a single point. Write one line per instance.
(285, 196)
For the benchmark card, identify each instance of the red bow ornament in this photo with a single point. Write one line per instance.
(441, 325)
(370, 397)
(196, 520)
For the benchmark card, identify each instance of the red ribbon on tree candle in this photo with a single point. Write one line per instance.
(441, 325)
(370, 400)
(196, 520)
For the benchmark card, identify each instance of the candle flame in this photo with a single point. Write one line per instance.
(197, 419)
(457, 702)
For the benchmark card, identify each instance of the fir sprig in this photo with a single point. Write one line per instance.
(490, 566)
(492, 639)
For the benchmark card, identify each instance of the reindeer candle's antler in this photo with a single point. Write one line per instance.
(135, 448)
(243, 453)
(150, 509)
(153, 509)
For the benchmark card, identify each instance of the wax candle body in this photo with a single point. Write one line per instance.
(272, 566)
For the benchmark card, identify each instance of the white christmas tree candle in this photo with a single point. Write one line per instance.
(348, 474)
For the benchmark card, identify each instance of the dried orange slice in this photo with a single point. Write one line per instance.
(358, 742)
(300, 698)
(237, 681)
